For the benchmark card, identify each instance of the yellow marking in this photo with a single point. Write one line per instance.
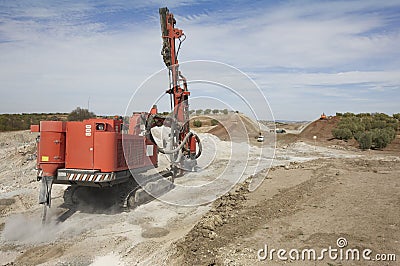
(45, 158)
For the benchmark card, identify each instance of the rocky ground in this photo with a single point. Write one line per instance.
(311, 196)
(308, 205)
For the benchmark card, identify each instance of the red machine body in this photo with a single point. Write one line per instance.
(91, 147)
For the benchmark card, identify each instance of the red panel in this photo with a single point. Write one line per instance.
(79, 151)
(52, 126)
(35, 128)
(105, 151)
(51, 152)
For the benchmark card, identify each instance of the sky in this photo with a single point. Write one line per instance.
(304, 57)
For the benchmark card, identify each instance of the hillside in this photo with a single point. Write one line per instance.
(322, 129)
(235, 123)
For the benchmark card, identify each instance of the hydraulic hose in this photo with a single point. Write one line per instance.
(200, 146)
(162, 150)
(180, 146)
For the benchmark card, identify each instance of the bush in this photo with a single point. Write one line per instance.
(215, 111)
(214, 122)
(363, 115)
(354, 124)
(342, 133)
(378, 124)
(225, 111)
(207, 111)
(365, 140)
(348, 114)
(197, 123)
(382, 137)
(198, 112)
(80, 114)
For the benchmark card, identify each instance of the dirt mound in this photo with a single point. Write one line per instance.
(229, 126)
(320, 128)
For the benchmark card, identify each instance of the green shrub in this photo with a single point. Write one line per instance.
(365, 140)
(197, 123)
(354, 124)
(348, 114)
(214, 122)
(80, 114)
(363, 115)
(342, 133)
(382, 137)
(378, 124)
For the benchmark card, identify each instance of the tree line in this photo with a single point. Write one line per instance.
(371, 131)
(209, 111)
(14, 122)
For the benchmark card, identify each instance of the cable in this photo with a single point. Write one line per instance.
(179, 46)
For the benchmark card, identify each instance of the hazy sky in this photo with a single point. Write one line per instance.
(307, 57)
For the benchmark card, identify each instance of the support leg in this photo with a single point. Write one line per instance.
(45, 195)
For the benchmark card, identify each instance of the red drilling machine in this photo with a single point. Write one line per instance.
(102, 153)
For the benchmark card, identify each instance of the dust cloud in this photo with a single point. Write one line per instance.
(24, 229)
